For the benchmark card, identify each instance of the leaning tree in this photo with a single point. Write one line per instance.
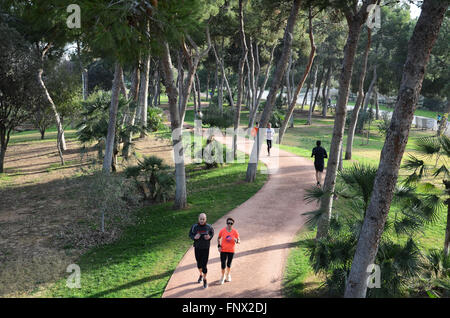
(419, 48)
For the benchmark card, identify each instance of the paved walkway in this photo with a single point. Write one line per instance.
(267, 224)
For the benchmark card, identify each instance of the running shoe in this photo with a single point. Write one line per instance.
(222, 280)
(205, 284)
(229, 278)
(200, 278)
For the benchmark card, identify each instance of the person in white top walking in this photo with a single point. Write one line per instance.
(270, 132)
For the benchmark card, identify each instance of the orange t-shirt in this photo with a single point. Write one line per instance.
(228, 239)
(254, 131)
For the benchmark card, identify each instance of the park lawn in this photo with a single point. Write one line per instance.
(142, 261)
(418, 112)
(29, 136)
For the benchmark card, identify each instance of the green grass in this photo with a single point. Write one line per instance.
(142, 261)
(34, 136)
(298, 268)
(418, 112)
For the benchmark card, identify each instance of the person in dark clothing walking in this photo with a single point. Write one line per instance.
(202, 233)
(319, 155)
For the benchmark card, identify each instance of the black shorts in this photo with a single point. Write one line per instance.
(201, 256)
(226, 257)
(319, 166)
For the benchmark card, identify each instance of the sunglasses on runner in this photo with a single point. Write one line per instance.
(230, 223)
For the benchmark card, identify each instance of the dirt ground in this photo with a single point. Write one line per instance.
(39, 201)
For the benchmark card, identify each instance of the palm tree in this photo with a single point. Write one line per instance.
(437, 148)
(400, 263)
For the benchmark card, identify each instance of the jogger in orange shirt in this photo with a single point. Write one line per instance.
(227, 239)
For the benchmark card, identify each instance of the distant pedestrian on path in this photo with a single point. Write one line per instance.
(319, 155)
(254, 131)
(202, 233)
(270, 132)
(226, 242)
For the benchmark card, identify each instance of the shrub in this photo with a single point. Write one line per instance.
(155, 120)
(216, 118)
(277, 118)
(384, 123)
(155, 179)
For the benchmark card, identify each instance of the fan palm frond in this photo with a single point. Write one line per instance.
(428, 145)
(314, 194)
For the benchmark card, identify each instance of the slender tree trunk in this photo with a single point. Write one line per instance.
(176, 126)
(2, 158)
(443, 124)
(319, 85)
(447, 229)
(266, 77)
(199, 96)
(312, 54)
(157, 87)
(377, 106)
(355, 23)
(134, 97)
(325, 92)
(275, 86)
(110, 139)
(287, 80)
(244, 49)
(252, 86)
(306, 93)
(371, 88)
(312, 96)
(359, 100)
(224, 78)
(419, 48)
(143, 93)
(55, 111)
(207, 87)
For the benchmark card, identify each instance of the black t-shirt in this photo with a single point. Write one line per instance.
(201, 243)
(319, 154)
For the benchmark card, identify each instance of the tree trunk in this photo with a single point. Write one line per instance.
(377, 106)
(266, 77)
(237, 113)
(157, 87)
(306, 93)
(443, 124)
(2, 158)
(207, 87)
(143, 93)
(199, 96)
(55, 111)
(176, 127)
(224, 79)
(252, 87)
(110, 139)
(134, 96)
(447, 229)
(359, 100)
(312, 96)
(354, 29)
(325, 92)
(419, 47)
(371, 87)
(312, 54)
(275, 86)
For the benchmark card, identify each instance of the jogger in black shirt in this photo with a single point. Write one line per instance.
(202, 233)
(319, 155)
